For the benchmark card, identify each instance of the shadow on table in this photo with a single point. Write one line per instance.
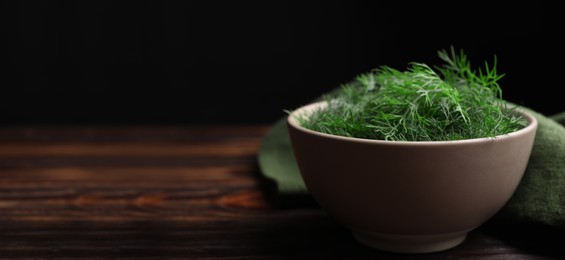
(534, 239)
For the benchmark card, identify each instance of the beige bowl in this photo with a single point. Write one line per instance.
(410, 197)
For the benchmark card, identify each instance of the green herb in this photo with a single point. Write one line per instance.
(448, 102)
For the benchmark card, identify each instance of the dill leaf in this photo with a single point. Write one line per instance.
(421, 103)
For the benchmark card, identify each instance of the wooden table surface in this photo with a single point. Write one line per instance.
(154, 192)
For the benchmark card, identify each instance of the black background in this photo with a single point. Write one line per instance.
(239, 62)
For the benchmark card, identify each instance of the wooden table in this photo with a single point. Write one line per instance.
(181, 192)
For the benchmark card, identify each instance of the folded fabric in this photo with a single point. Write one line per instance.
(540, 196)
(539, 199)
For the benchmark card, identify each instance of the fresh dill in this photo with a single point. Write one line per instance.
(448, 102)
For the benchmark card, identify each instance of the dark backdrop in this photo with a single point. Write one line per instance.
(216, 62)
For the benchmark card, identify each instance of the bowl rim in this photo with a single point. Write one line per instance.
(292, 122)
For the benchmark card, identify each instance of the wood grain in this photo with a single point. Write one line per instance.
(186, 192)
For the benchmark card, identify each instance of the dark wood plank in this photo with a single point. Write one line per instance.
(181, 192)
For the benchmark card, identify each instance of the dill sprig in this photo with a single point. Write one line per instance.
(450, 102)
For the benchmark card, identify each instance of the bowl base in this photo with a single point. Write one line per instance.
(409, 244)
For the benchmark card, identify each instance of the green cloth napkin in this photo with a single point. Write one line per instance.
(539, 199)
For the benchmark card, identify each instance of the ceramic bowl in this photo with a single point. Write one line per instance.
(410, 197)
